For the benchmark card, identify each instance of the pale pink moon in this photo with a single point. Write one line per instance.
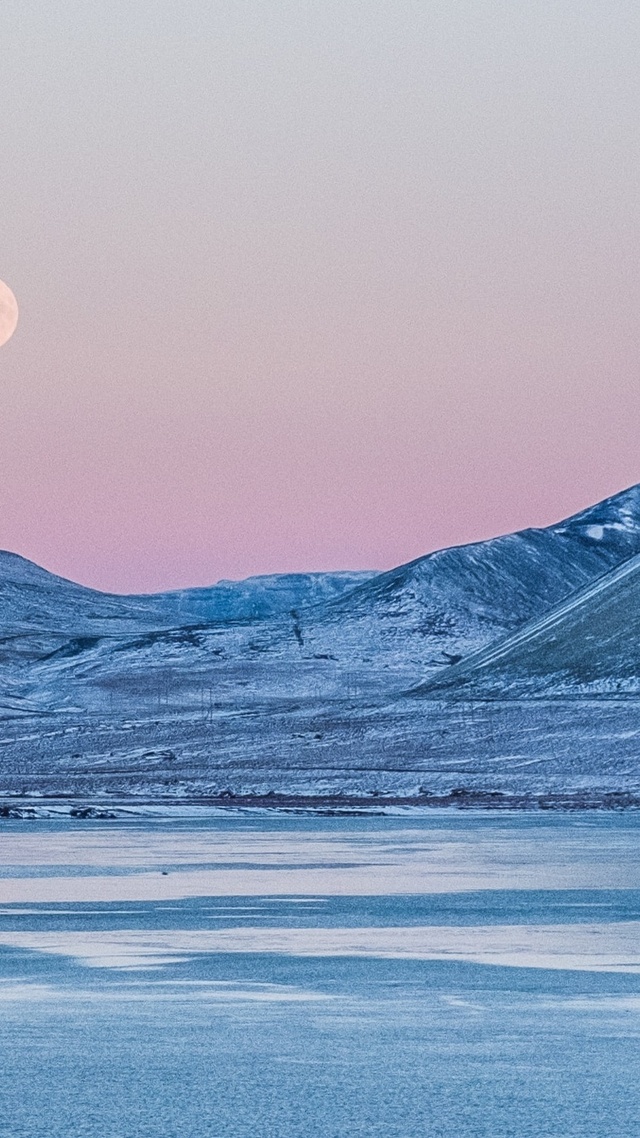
(8, 313)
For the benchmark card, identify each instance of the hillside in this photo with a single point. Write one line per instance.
(587, 645)
(33, 598)
(448, 604)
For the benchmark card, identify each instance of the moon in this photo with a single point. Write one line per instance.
(8, 313)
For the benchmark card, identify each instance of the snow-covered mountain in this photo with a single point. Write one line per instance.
(451, 600)
(263, 637)
(587, 645)
(257, 598)
(441, 607)
(296, 682)
(32, 598)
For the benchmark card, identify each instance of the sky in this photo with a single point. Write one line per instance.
(313, 284)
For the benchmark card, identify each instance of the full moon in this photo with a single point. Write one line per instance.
(8, 313)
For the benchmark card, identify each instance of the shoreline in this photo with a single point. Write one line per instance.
(34, 807)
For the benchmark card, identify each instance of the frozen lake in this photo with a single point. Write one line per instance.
(472, 976)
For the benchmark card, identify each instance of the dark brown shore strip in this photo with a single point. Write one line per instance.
(459, 799)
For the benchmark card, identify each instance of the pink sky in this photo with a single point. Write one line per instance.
(313, 285)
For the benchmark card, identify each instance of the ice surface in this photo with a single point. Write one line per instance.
(510, 1012)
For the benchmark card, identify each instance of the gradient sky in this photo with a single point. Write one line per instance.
(313, 284)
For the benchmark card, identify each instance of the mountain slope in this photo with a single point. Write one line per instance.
(587, 645)
(449, 604)
(33, 598)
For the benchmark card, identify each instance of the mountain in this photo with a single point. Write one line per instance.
(252, 688)
(368, 636)
(258, 598)
(423, 613)
(31, 599)
(446, 605)
(41, 612)
(587, 645)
